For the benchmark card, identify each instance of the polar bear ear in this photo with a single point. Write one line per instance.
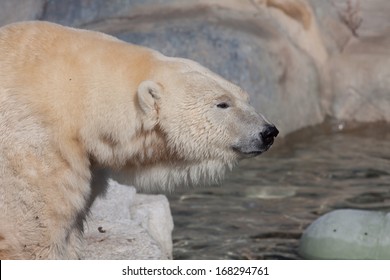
(149, 93)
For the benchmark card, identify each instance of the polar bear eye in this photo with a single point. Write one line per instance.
(223, 105)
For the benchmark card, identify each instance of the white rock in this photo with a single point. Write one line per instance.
(348, 234)
(126, 225)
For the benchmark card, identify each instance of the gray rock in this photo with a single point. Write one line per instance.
(240, 43)
(348, 234)
(375, 20)
(357, 34)
(321, 58)
(125, 225)
(361, 86)
(18, 10)
(297, 67)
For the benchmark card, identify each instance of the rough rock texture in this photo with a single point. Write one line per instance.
(17, 10)
(300, 60)
(126, 225)
(357, 37)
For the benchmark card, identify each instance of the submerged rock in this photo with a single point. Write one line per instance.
(270, 192)
(348, 234)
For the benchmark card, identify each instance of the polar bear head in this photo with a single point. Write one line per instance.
(195, 124)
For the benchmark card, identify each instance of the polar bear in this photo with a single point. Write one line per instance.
(78, 107)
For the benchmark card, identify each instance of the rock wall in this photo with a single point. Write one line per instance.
(357, 38)
(301, 60)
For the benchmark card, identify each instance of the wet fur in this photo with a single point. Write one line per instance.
(70, 118)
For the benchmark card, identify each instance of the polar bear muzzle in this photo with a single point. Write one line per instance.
(257, 143)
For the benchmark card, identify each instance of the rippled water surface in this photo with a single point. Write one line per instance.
(262, 207)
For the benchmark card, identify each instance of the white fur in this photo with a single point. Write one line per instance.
(77, 106)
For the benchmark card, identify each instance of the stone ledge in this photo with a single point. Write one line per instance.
(127, 225)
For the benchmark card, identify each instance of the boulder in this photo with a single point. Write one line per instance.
(361, 82)
(347, 234)
(299, 60)
(127, 225)
(19, 10)
(242, 41)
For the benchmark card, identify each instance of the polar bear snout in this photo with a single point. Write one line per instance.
(258, 143)
(268, 135)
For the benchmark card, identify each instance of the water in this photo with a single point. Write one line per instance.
(263, 206)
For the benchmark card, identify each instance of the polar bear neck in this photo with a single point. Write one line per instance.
(167, 177)
(158, 167)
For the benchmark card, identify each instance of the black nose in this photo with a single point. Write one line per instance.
(268, 134)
